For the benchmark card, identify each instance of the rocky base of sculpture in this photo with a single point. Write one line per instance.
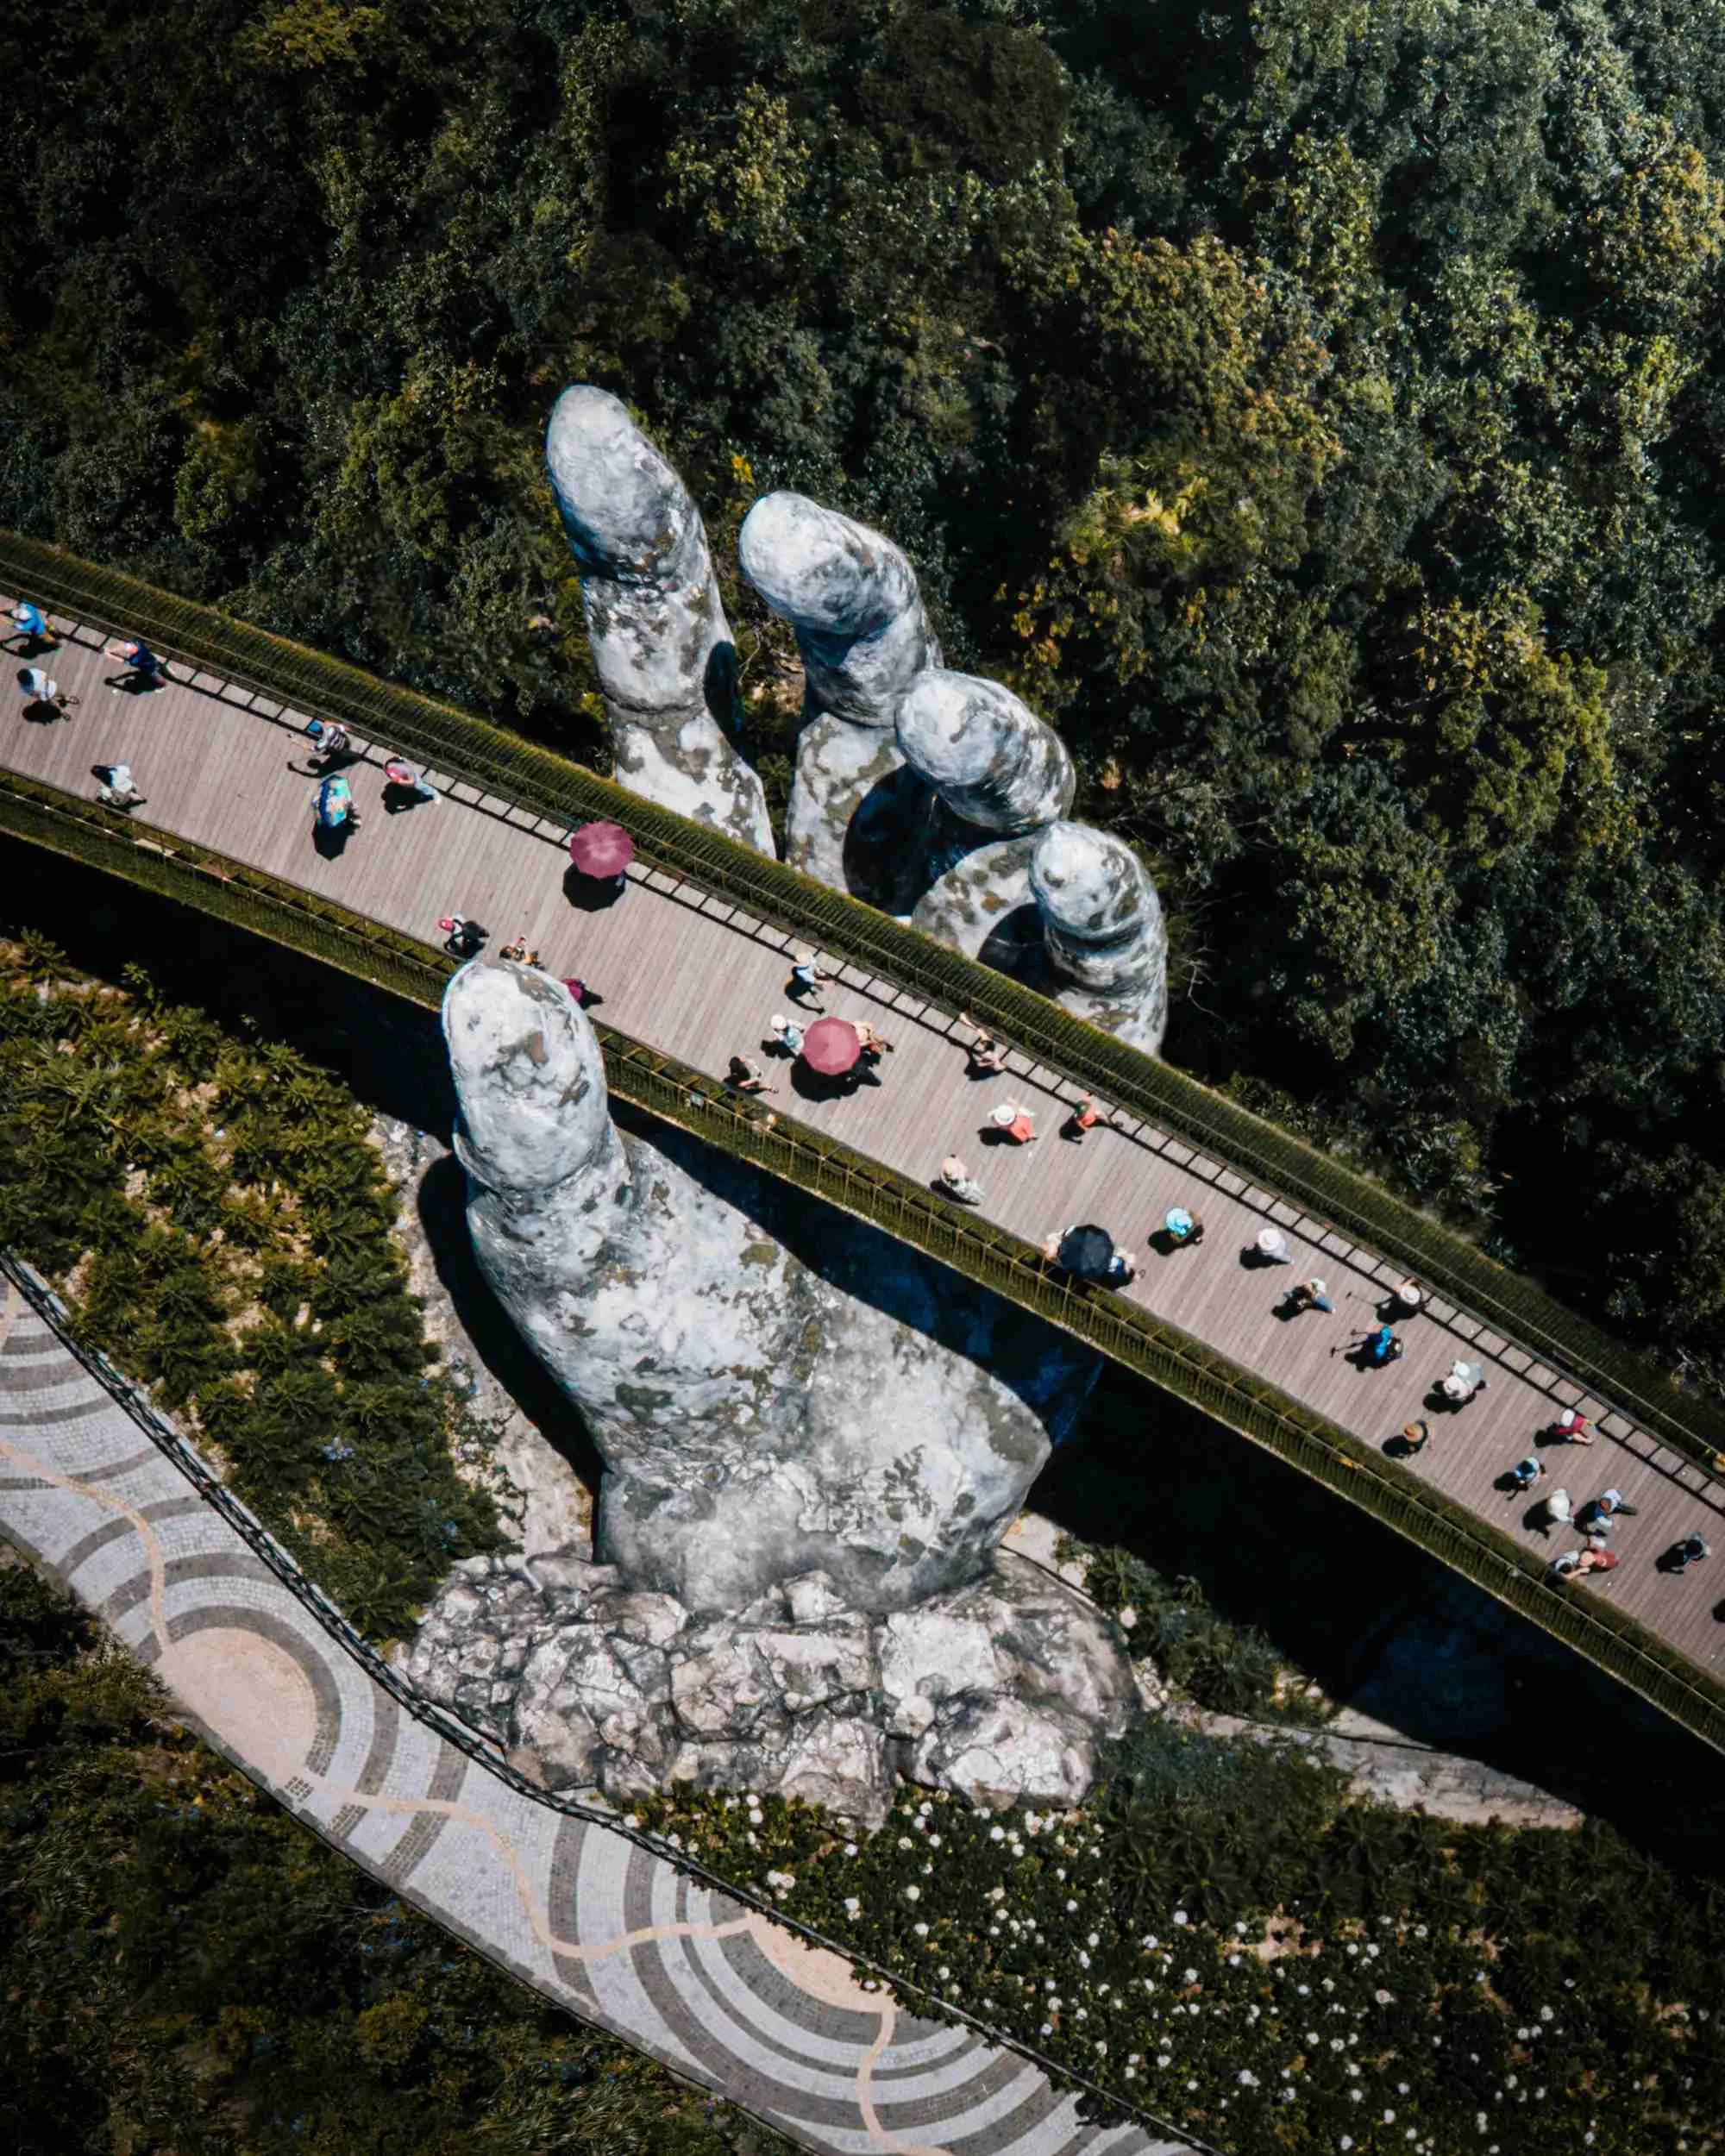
(999, 1690)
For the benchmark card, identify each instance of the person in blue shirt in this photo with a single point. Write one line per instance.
(30, 627)
(146, 669)
(1377, 1347)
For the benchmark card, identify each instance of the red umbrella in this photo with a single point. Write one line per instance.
(831, 1046)
(601, 850)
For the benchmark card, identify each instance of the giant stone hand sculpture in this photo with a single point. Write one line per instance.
(660, 640)
(1000, 775)
(1104, 936)
(880, 1419)
(807, 1471)
(858, 819)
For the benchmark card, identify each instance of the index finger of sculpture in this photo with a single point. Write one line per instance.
(821, 571)
(627, 513)
(988, 755)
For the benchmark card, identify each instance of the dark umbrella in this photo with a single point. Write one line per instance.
(1088, 1252)
(601, 850)
(831, 1046)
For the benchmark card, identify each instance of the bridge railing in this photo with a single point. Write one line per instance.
(506, 766)
(185, 1457)
(743, 1128)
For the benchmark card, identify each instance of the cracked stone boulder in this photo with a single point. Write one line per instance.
(771, 1396)
(1104, 939)
(859, 818)
(1000, 775)
(1000, 1690)
(661, 643)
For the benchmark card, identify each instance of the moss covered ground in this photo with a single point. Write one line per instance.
(207, 1202)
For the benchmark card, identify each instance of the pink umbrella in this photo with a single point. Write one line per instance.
(601, 850)
(831, 1046)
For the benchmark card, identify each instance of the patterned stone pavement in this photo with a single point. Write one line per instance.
(714, 1991)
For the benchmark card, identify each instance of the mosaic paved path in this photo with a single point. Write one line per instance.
(614, 1933)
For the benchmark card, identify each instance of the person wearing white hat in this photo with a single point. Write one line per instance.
(1013, 1122)
(787, 1035)
(1271, 1247)
(958, 1181)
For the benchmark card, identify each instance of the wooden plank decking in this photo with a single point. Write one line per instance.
(692, 974)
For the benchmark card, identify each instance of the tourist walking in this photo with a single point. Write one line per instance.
(1182, 1227)
(1308, 1294)
(330, 742)
(118, 790)
(462, 938)
(1558, 1509)
(1376, 1347)
(1526, 1473)
(402, 778)
(958, 1181)
(144, 669)
(1597, 1516)
(1690, 1550)
(986, 1058)
(871, 1044)
(1570, 1428)
(786, 1035)
(807, 980)
(1408, 1296)
(333, 805)
(1415, 1436)
(749, 1077)
(1461, 1382)
(1015, 1123)
(35, 689)
(1269, 1247)
(32, 626)
(1084, 1118)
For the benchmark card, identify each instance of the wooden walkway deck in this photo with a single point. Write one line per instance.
(687, 974)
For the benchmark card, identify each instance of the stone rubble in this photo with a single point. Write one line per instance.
(1000, 1690)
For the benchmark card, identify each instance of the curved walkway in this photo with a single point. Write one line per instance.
(613, 1933)
(695, 977)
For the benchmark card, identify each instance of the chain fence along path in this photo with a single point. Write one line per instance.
(698, 978)
(623, 1937)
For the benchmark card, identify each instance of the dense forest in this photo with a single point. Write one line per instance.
(1312, 405)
